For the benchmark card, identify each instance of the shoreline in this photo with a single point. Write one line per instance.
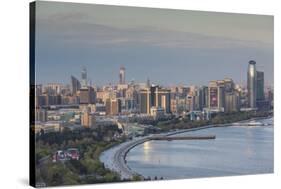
(118, 153)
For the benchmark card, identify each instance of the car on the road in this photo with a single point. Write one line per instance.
(73, 154)
(59, 156)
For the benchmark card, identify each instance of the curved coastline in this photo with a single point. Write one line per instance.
(115, 158)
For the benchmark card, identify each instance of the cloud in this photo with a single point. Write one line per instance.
(71, 36)
(77, 32)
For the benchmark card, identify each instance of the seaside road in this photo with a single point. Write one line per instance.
(120, 162)
(114, 158)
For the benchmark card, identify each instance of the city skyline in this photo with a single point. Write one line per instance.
(103, 42)
(82, 79)
(113, 82)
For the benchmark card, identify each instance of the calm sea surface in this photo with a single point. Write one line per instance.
(236, 150)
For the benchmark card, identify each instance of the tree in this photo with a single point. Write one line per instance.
(137, 178)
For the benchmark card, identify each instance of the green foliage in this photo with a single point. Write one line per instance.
(41, 153)
(137, 178)
(89, 142)
(84, 171)
(111, 177)
(219, 118)
(58, 174)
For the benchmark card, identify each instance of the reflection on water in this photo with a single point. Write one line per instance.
(235, 151)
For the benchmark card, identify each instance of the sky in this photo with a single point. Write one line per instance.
(170, 47)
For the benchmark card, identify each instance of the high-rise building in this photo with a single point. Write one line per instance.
(217, 95)
(87, 119)
(232, 96)
(113, 106)
(260, 86)
(229, 85)
(116, 106)
(75, 85)
(203, 97)
(145, 103)
(122, 75)
(148, 82)
(190, 103)
(232, 101)
(38, 90)
(184, 91)
(51, 99)
(193, 101)
(221, 97)
(41, 115)
(252, 84)
(121, 90)
(213, 94)
(270, 97)
(161, 97)
(84, 78)
(40, 101)
(87, 95)
(155, 97)
(197, 98)
(52, 89)
(131, 98)
(174, 105)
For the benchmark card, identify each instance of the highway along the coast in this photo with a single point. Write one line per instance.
(115, 158)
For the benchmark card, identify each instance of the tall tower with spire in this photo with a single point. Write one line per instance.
(84, 78)
(122, 75)
(148, 82)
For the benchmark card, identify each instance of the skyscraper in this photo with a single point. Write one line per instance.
(75, 85)
(201, 97)
(87, 95)
(155, 97)
(84, 78)
(145, 102)
(52, 89)
(148, 82)
(252, 84)
(164, 99)
(41, 115)
(122, 75)
(229, 85)
(221, 97)
(232, 103)
(260, 86)
(87, 119)
(190, 102)
(216, 95)
(232, 96)
(113, 106)
(213, 94)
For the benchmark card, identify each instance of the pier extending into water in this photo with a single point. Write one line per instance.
(116, 160)
(119, 154)
(208, 137)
